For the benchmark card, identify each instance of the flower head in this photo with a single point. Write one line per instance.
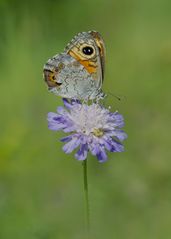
(92, 128)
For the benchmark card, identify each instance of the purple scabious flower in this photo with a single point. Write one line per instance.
(92, 128)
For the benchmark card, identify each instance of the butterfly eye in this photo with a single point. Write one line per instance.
(87, 50)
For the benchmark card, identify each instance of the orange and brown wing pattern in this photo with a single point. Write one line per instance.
(51, 72)
(49, 77)
(89, 50)
(102, 50)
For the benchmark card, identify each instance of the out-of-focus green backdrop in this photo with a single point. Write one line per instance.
(41, 188)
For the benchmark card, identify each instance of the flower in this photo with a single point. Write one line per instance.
(92, 128)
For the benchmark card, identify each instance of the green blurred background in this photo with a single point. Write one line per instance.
(41, 188)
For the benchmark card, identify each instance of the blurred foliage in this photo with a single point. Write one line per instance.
(41, 195)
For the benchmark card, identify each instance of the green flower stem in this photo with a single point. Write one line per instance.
(86, 195)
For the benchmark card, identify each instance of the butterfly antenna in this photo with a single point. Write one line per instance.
(116, 96)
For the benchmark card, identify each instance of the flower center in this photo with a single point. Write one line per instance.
(98, 132)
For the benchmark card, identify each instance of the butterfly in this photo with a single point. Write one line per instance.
(78, 72)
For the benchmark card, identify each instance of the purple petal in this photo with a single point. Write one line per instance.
(82, 152)
(69, 137)
(62, 111)
(117, 119)
(94, 148)
(71, 145)
(69, 128)
(113, 146)
(98, 149)
(51, 115)
(117, 147)
(117, 116)
(119, 134)
(66, 139)
(56, 122)
(52, 125)
(102, 156)
(55, 127)
(109, 146)
(67, 104)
